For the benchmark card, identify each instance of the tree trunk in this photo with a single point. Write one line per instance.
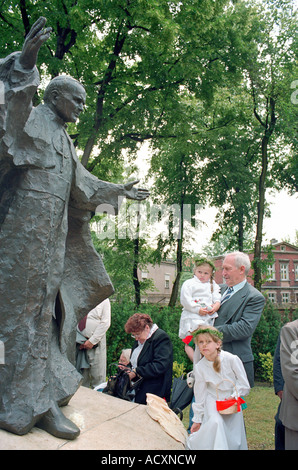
(269, 126)
(261, 211)
(240, 234)
(135, 276)
(120, 40)
(175, 290)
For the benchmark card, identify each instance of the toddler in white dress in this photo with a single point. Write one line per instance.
(200, 299)
(219, 375)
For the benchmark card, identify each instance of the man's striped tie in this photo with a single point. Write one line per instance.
(227, 295)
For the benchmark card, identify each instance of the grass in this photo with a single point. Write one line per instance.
(259, 415)
(259, 420)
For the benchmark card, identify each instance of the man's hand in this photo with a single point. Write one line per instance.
(33, 42)
(138, 194)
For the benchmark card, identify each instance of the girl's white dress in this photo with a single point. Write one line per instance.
(217, 431)
(194, 295)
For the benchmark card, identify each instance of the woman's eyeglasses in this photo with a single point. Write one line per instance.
(135, 336)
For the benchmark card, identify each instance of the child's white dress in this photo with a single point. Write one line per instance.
(194, 295)
(217, 431)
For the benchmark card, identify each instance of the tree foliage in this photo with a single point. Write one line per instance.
(207, 83)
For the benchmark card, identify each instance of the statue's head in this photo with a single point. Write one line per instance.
(66, 96)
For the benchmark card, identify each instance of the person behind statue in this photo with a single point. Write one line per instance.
(240, 310)
(289, 366)
(151, 357)
(92, 330)
(49, 269)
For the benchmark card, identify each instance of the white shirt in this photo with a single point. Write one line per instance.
(235, 289)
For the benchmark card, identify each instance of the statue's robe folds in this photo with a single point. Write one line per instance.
(50, 274)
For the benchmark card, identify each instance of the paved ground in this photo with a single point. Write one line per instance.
(106, 423)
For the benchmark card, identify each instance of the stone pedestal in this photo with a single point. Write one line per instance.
(106, 423)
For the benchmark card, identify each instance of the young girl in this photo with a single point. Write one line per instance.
(218, 374)
(200, 298)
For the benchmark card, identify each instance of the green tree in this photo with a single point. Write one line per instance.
(268, 74)
(177, 190)
(133, 57)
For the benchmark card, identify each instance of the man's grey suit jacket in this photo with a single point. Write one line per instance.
(238, 318)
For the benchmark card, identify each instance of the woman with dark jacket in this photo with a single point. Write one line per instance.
(151, 357)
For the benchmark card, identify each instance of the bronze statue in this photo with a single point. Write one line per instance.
(50, 274)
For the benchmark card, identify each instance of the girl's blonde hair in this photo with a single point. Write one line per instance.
(200, 262)
(215, 335)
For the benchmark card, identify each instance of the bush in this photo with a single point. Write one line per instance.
(266, 367)
(178, 369)
(265, 336)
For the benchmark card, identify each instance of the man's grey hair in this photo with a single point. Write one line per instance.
(241, 259)
(58, 84)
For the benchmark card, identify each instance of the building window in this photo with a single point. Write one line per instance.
(284, 271)
(271, 272)
(272, 296)
(296, 271)
(285, 297)
(144, 275)
(167, 281)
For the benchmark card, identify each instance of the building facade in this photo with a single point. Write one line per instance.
(163, 277)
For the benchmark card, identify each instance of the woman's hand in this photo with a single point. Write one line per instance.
(132, 375)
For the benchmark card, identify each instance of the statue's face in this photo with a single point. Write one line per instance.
(69, 103)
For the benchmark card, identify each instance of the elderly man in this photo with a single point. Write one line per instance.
(240, 310)
(49, 269)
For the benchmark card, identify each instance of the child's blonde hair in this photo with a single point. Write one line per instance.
(200, 262)
(215, 335)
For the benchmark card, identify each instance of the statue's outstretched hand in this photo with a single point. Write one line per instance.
(37, 35)
(138, 194)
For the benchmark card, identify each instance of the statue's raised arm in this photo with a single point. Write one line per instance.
(37, 35)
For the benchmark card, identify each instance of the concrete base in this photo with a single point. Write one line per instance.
(106, 423)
